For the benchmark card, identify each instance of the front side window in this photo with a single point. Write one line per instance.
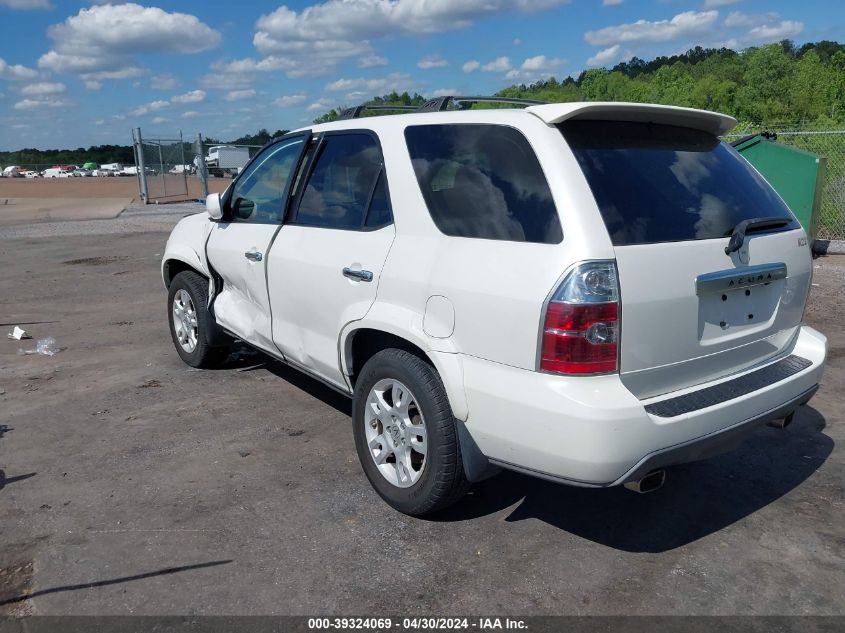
(483, 181)
(661, 183)
(258, 194)
(345, 183)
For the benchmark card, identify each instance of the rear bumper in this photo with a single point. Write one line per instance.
(595, 432)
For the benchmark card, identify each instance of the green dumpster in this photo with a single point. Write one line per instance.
(91, 166)
(798, 176)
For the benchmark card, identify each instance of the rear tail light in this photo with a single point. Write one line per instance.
(581, 323)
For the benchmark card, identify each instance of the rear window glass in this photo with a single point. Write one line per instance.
(660, 183)
(483, 181)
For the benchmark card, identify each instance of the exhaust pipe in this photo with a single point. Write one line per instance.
(782, 423)
(651, 482)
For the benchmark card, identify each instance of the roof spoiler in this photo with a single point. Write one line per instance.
(712, 122)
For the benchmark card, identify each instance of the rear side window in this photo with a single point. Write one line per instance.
(660, 183)
(483, 181)
(343, 183)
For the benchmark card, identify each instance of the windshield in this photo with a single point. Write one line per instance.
(660, 183)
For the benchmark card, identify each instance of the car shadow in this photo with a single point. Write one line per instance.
(698, 499)
(244, 359)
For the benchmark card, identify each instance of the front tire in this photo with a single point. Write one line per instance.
(405, 434)
(190, 321)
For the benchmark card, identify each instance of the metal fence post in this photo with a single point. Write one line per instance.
(182, 164)
(139, 162)
(202, 171)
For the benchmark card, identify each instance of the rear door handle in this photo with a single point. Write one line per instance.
(358, 275)
(253, 256)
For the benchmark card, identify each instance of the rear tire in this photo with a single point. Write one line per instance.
(405, 434)
(190, 320)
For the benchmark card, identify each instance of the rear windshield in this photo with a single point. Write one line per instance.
(660, 183)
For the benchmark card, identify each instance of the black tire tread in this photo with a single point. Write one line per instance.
(450, 482)
(204, 355)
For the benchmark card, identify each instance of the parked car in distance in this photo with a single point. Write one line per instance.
(103, 173)
(583, 292)
(13, 171)
(59, 172)
(82, 173)
(29, 173)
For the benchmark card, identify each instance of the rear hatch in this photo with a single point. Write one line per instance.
(671, 198)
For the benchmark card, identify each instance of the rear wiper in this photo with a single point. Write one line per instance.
(739, 231)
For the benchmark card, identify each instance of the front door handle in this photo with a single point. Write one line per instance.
(358, 275)
(253, 256)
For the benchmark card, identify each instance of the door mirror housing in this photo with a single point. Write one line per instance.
(213, 206)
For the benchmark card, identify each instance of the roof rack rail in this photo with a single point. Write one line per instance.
(439, 104)
(357, 111)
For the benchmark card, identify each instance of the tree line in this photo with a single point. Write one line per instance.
(774, 84)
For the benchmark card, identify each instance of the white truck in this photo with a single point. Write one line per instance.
(226, 160)
(13, 171)
(584, 292)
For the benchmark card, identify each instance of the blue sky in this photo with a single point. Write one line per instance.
(78, 73)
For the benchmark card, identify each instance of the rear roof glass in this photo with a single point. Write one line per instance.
(661, 183)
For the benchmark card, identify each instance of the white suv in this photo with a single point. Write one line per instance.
(586, 292)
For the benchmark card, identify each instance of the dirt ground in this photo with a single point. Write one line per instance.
(133, 484)
(114, 187)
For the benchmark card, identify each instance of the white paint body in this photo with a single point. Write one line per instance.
(474, 307)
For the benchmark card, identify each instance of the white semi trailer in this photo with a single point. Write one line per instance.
(223, 160)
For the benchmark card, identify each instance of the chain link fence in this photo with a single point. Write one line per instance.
(161, 168)
(831, 145)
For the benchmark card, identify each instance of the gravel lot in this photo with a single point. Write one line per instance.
(132, 484)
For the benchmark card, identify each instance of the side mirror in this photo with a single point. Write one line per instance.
(212, 206)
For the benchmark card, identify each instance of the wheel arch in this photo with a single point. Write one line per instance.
(172, 266)
(362, 341)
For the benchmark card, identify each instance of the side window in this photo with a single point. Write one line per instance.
(258, 194)
(379, 212)
(342, 183)
(483, 181)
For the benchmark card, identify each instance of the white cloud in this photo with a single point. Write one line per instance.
(498, 65)
(43, 88)
(616, 3)
(684, 25)
(31, 104)
(322, 104)
(535, 68)
(100, 42)
(471, 66)
(774, 32)
(153, 106)
(240, 95)
(517, 42)
(738, 19)
(190, 114)
(286, 101)
(26, 4)
(605, 56)
(371, 61)
(393, 81)
(15, 71)
(160, 119)
(323, 35)
(719, 3)
(432, 61)
(444, 92)
(93, 84)
(194, 96)
(165, 81)
(763, 27)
